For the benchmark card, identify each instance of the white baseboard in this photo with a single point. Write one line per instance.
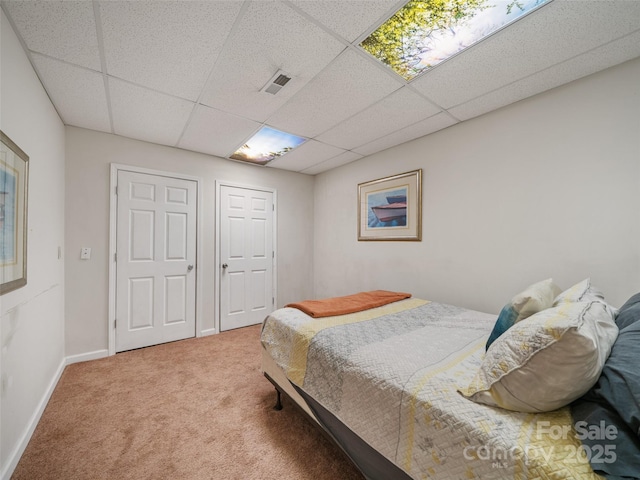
(14, 457)
(84, 357)
(207, 332)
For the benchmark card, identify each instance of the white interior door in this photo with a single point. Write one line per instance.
(155, 259)
(246, 256)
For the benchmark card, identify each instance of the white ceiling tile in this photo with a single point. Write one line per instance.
(147, 115)
(556, 32)
(349, 18)
(339, 97)
(77, 93)
(215, 132)
(402, 108)
(306, 155)
(420, 129)
(177, 42)
(342, 159)
(60, 29)
(344, 88)
(611, 54)
(270, 37)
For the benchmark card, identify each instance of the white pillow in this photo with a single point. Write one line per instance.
(580, 292)
(547, 360)
(533, 299)
(584, 291)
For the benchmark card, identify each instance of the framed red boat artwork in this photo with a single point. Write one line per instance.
(390, 208)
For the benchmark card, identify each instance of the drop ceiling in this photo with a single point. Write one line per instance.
(189, 74)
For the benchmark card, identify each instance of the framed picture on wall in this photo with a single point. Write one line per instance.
(14, 173)
(391, 208)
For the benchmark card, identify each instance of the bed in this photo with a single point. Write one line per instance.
(399, 387)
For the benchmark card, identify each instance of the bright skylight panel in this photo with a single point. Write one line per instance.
(423, 33)
(267, 144)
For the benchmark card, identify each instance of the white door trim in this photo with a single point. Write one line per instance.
(218, 267)
(113, 210)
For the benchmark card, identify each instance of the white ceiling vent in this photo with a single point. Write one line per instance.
(275, 83)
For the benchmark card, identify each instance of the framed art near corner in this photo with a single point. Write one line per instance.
(14, 181)
(390, 208)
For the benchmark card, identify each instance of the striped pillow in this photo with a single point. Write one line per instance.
(547, 360)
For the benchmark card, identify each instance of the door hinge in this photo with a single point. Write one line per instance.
(273, 254)
(115, 257)
(115, 322)
(116, 189)
(273, 300)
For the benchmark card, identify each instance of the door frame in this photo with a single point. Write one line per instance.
(218, 263)
(113, 216)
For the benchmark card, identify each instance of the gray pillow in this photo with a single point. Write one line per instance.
(615, 400)
(629, 313)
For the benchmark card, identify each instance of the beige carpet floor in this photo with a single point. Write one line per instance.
(193, 409)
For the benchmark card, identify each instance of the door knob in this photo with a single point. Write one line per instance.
(189, 268)
(224, 265)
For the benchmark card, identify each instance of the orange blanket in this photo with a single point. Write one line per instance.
(357, 302)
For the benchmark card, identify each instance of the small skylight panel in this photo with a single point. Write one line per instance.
(267, 144)
(423, 33)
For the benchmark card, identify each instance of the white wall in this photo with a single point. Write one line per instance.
(89, 155)
(549, 186)
(546, 187)
(32, 317)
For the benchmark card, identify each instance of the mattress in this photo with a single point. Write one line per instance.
(391, 376)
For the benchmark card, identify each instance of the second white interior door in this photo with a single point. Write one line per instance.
(246, 256)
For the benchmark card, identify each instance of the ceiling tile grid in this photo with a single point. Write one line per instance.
(147, 115)
(189, 73)
(306, 155)
(346, 87)
(556, 32)
(350, 19)
(215, 132)
(340, 160)
(417, 130)
(78, 94)
(256, 51)
(400, 109)
(508, 55)
(176, 43)
(613, 53)
(61, 29)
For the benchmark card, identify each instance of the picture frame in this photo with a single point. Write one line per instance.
(14, 183)
(390, 208)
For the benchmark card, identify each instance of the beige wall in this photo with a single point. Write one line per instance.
(32, 317)
(89, 155)
(546, 187)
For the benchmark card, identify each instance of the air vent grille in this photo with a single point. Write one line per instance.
(275, 83)
(282, 80)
